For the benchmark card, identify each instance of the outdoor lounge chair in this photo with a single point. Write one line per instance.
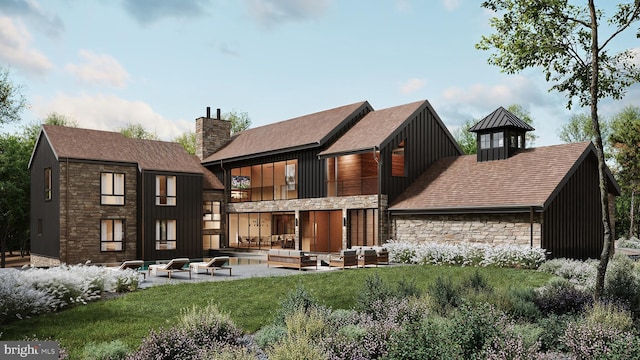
(347, 258)
(135, 265)
(175, 265)
(367, 257)
(217, 263)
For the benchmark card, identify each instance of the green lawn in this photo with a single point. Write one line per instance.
(250, 302)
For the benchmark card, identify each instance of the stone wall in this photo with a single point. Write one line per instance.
(507, 229)
(80, 206)
(211, 135)
(43, 261)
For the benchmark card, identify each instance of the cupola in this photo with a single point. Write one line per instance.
(500, 135)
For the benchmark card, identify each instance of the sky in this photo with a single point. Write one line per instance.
(160, 63)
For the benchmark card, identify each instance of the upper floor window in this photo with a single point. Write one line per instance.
(268, 181)
(165, 234)
(485, 141)
(47, 183)
(112, 235)
(112, 189)
(211, 217)
(397, 161)
(165, 190)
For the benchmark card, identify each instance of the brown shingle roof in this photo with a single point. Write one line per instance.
(372, 131)
(528, 178)
(308, 130)
(210, 180)
(86, 144)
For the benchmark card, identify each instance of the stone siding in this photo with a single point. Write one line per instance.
(80, 205)
(211, 135)
(43, 261)
(508, 229)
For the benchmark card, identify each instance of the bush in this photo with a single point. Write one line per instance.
(609, 315)
(631, 243)
(375, 291)
(561, 297)
(270, 335)
(295, 300)
(589, 340)
(581, 273)
(209, 324)
(444, 295)
(428, 339)
(622, 284)
(520, 304)
(473, 327)
(296, 348)
(114, 350)
(309, 325)
(554, 327)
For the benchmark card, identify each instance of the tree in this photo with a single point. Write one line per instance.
(12, 101)
(579, 128)
(15, 152)
(625, 143)
(188, 141)
(137, 131)
(562, 39)
(465, 138)
(239, 120)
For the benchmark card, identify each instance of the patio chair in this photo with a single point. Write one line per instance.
(367, 257)
(216, 263)
(347, 258)
(175, 265)
(133, 265)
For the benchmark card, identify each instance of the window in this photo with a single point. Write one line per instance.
(211, 217)
(397, 161)
(47, 184)
(112, 189)
(268, 181)
(165, 234)
(165, 190)
(112, 235)
(485, 141)
(210, 242)
(39, 229)
(498, 140)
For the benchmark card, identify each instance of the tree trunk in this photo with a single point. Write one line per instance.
(602, 166)
(631, 216)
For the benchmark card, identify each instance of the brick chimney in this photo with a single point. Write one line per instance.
(211, 134)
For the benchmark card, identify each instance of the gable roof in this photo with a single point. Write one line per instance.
(374, 130)
(107, 146)
(530, 178)
(501, 118)
(297, 133)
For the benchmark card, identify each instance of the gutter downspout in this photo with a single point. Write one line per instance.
(224, 203)
(379, 180)
(142, 226)
(66, 213)
(531, 226)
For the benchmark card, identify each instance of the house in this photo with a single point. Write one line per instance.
(546, 197)
(322, 182)
(331, 180)
(100, 196)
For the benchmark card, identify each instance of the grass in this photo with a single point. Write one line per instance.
(251, 303)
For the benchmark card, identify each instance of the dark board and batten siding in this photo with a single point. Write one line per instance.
(47, 244)
(187, 212)
(425, 142)
(572, 225)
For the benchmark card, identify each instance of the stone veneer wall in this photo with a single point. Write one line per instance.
(318, 204)
(211, 135)
(80, 204)
(507, 229)
(43, 261)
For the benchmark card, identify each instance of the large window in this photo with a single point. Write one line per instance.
(363, 227)
(262, 230)
(270, 181)
(211, 217)
(165, 234)
(112, 189)
(47, 183)
(165, 190)
(112, 235)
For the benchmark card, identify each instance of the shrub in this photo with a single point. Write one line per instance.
(474, 326)
(209, 324)
(509, 346)
(297, 299)
(622, 284)
(168, 344)
(375, 291)
(428, 339)
(630, 243)
(226, 352)
(581, 273)
(519, 303)
(444, 295)
(554, 327)
(113, 350)
(296, 348)
(561, 297)
(598, 341)
(309, 325)
(269, 335)
(609, 315)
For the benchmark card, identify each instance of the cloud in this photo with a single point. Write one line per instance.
(412, 85)
(150, 11)
(451, 4)
(99, 70)
(16, 50)
(31, 11)
(109, 113)
(403, 5)
(272, 12)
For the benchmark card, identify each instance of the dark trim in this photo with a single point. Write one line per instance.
(516, 209)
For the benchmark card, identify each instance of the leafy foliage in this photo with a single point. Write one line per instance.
(239, 120)
(12, 101)
(137, 131)
(561, 297)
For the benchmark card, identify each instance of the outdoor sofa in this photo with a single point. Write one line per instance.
(291, 258)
